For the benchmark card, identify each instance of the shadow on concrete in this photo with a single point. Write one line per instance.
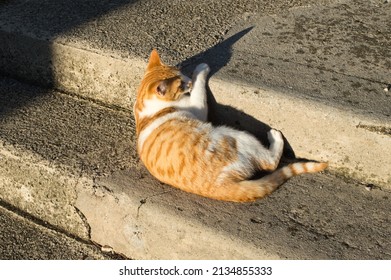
(312, 212)
(219, 114)
(43, 22)
(217, 56)
(51, 19)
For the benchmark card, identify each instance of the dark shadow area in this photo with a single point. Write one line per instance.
(217, 56)
(219, 114)
(53, 18)
(93, 139)
(11, 97)
(227, 115)
(33, 26)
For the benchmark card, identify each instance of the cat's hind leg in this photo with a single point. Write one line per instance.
(275, 151)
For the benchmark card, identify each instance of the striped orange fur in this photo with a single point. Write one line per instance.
(180, 148)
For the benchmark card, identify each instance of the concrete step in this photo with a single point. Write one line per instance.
(293, 70)
(69, 159)
(72, 163)
(23, 238)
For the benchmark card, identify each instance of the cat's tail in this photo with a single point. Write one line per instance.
(250, 190)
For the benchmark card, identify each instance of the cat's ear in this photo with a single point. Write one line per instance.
(154, 60)
(161, 89)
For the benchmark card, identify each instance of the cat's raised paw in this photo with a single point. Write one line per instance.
(202, 68)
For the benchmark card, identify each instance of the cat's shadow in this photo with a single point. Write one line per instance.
(217, 56)
(219, 114)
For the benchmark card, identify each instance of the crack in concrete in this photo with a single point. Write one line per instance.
(325, 235)
(101, 191)
(42, 223)
(84, 220)
(312, 229)
(144, 200)
(376, 128)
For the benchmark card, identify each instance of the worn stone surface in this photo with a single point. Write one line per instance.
(67, 130)
(111, 199)
(312, 130)
(180, 28)
(330, 51)
(310, 217)
(23, 239)
(94, 49)
(124, 212)
(33, 185)
(300, 70)
(336, 54)
(315, 70)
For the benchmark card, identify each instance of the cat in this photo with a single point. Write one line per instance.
(180, 148)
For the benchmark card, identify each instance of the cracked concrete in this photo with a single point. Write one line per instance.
(85, 223)
(133, 220)
(331, 219)
(23, 238)
(23, 176)
(300, 70)
(89, 163)
(378, 129)
(145, 200)
(316, 72)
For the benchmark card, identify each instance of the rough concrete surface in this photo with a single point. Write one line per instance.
(181, 28)
(31, 184)
(335, 51)
(316, 70)
(72, 44)
(121, 206)
(313, 130)
(311, 217)
(21, 238)
(337, 54)
(289, 60)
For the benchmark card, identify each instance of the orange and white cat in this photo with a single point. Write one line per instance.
(180, 148)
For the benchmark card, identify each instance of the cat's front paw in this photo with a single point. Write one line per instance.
(201, 69)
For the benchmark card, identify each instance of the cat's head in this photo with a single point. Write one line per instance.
(162, 81)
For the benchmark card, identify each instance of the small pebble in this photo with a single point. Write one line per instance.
(256, 221)
(107, 249)
(369, 187)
